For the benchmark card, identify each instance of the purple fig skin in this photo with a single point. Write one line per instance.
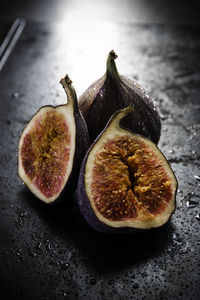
(82, 138)
(113, 92)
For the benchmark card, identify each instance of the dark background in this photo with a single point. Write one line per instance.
(50, 252)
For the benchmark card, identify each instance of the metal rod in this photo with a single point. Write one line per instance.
(10, 40)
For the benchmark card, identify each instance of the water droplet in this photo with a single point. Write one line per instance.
(40, 245)
(177, 239)
(33, 235)
(180, 192)
(197, 177)
(185, 249)
(65, 266)
(192, 199)
(135, 285)
(198, 217)
(15, 95)
(191, 203)
(171, 151)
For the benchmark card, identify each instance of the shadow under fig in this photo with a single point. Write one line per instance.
(101, 252)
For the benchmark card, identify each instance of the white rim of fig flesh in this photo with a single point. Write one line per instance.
(113, 131)
(67, 113)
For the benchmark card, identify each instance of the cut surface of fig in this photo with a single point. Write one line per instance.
(112, 92)
(47, 148)
(127, 180)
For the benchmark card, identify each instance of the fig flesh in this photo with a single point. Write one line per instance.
(113, 92)
(52, 146)
(125, 183)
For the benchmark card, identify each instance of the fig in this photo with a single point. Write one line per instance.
(125, 182)
(52, 147)
(113, 92)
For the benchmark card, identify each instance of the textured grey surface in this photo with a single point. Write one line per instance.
(50, 252)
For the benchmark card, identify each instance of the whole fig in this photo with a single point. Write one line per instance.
(52, 146)
(113, 92)
(125, 183)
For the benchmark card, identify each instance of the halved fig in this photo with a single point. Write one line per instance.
(125, 182)
(52, 146)
(112, 92)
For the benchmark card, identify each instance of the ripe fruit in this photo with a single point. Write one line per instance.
(113, 92)
(52, 146)
(125, 182)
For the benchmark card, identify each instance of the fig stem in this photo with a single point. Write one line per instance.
(111, 69)
(120, 114)
(69, 89)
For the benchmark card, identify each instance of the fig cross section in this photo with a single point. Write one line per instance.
(125, 183)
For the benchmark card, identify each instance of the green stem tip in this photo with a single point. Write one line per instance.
(113, 54)
(66, 81)
(111, 69)
(69, 89)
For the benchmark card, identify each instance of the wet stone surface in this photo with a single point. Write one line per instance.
(49, 252)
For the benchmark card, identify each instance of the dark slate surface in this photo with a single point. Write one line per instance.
(50, 252)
